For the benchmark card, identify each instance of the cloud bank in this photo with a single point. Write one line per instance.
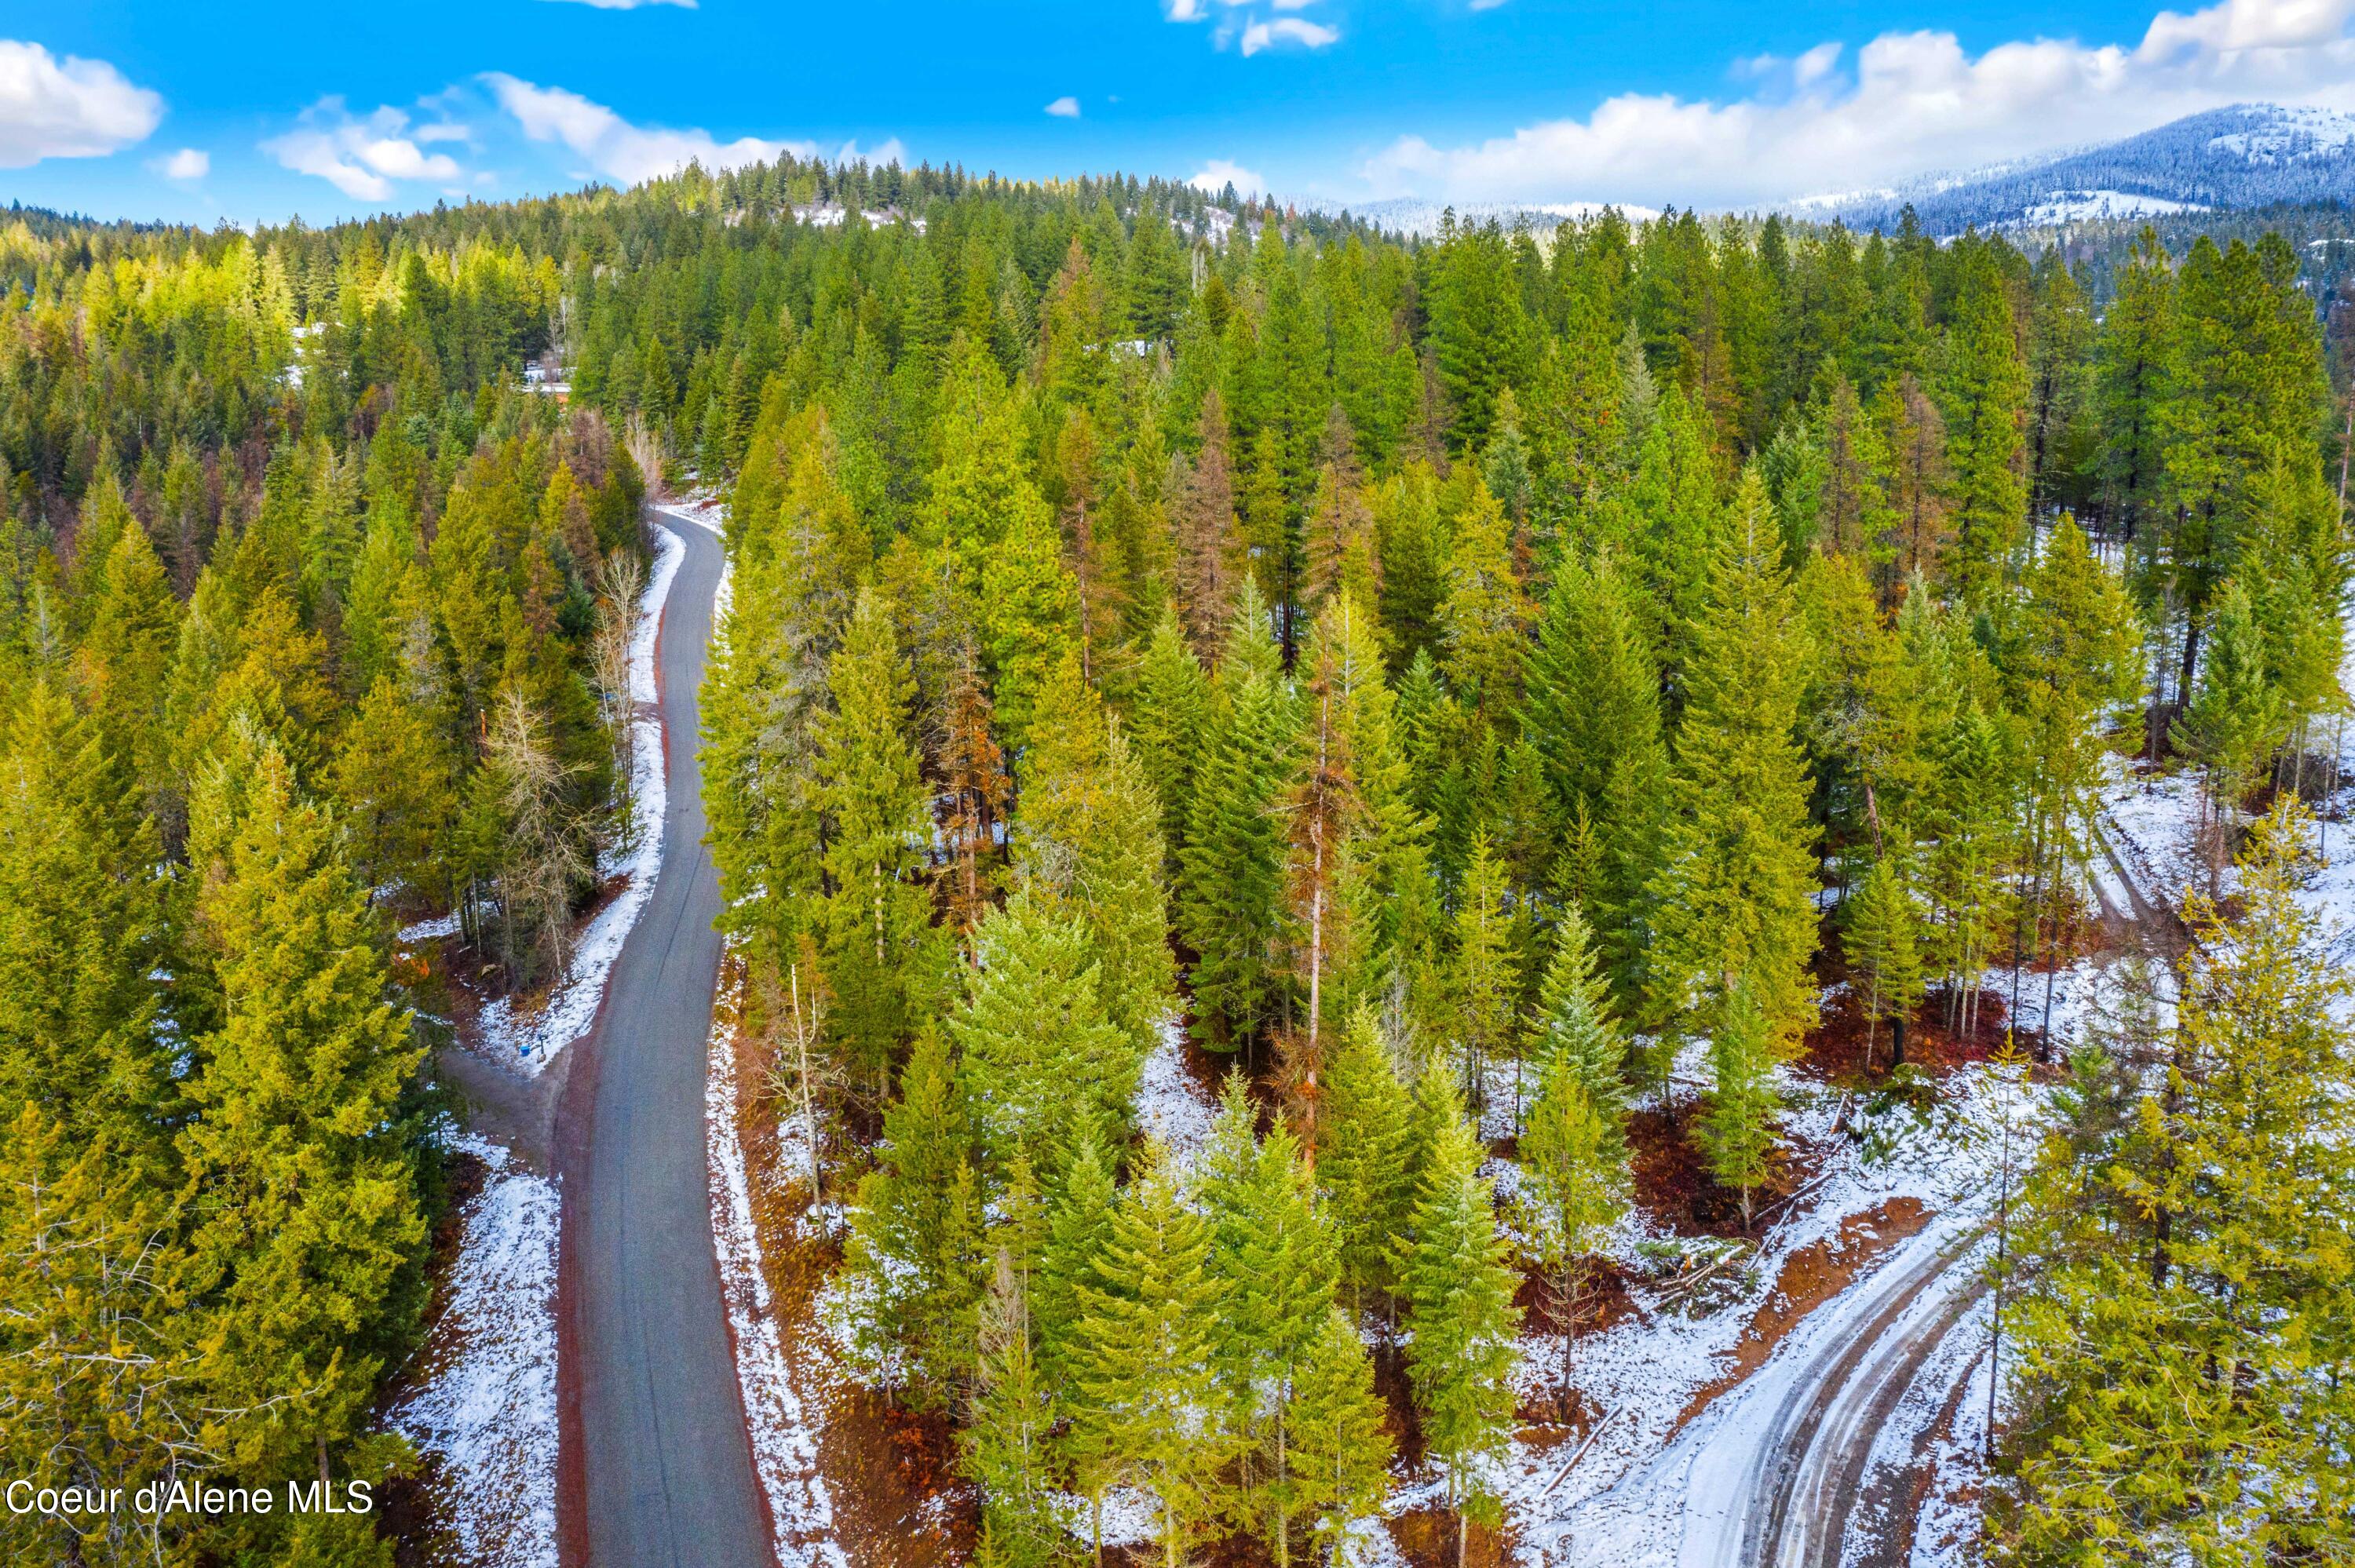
(1915, 101)
(362, 156)
(68, 108)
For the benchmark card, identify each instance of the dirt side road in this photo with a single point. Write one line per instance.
(658, 1469)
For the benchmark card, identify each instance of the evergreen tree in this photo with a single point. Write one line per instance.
(2233, 719)
(1735, 885)
(306, 1234)
(1486, 978)
(1364, 1154)
(1148, 1409)
(1987, 404)
(1737, 1128)
(915, 1235)
(1572, 1024)
(1574, 1189)
(1458, 1283)
(1273, 1264)
(1882, 945)
(1005, 1448)
(1040, 1054)
(1230, 907)
(1087, 844)
(80, 933)
(876, 921)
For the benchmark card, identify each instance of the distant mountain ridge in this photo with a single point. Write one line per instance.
(1413, 215)
(2251, 155)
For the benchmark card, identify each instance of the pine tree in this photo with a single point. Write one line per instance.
(977, 793)
(393, 778)
(1078, 1223)
(1737, 1128)
(1572, 1024)
(2185, 1272)
(1167, 724)
(1087, 844)
(125, 663)
(1272, 1259)
(2234, 717)
(1882, 945)
(1363, 1153)
(1340, 1453)
(1148, 1409)
(1005, 1445)
(1734, 890)
(915, 1235)
(1574, 1189)
(1458, 1283)
(1486, 979)
(1210, 559)
(1231, 906)
(99, 1394)
(1987, 404)
(1342, 556)
(1039, 1054)
(2133, 351)
(1484, 619)
(876, 922)
(307, 1239)
(80, 933)
(1594, 714)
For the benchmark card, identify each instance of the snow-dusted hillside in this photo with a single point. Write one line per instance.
(1413, 215)
(2252, 154)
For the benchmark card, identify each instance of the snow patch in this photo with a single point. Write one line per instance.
(427, 931)
(489, 1413)
(2082, 207)
(1171, 1108)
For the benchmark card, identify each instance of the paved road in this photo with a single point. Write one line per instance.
(666, 1469)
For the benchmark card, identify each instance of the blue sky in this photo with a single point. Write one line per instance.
(147, 110)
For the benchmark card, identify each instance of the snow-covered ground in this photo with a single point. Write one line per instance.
(488, 1409)
(1170, 1106)
(785, 1441)
(2078, 207)
(536, 1038)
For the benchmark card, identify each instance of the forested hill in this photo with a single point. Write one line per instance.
(1434, 671)
(2251, 155)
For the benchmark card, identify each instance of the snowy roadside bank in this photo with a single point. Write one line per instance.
(487, 1411)
(785, 1441)
(535, 1040)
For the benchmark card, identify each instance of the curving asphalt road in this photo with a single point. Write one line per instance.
(665, 1467)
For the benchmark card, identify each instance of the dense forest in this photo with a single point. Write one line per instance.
(1452, 681)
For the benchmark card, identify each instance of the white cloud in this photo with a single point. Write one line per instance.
(359, 156)
(1239, 22)
(71, 107)
(188, 163)
(1258, 36)
(620, 151)
(1218, 172)
(1915, 103)
(1065, 108)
